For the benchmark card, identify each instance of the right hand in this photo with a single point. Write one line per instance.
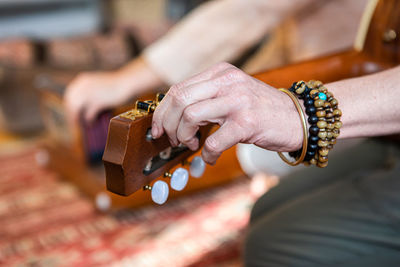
(91, 92)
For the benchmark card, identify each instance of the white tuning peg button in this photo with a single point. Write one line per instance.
(197, 167)
(159, 192)
(179, 179)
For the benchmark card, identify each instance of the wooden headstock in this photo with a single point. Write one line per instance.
(132, 159)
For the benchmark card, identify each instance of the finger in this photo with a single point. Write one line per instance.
(74, 106)
(228, 135)
(157, 130)
(180, 100)
(91, 111)
(211, 110)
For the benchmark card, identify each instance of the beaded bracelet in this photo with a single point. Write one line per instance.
(324, 119)
(305, 132)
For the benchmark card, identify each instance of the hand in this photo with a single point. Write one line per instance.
(247, 110)
(92, 92)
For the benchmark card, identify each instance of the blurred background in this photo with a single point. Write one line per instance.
(54, 209)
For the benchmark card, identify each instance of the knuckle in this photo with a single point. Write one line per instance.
(179, 95)
(230, 76)
(190, 115)
(235, 74)
(212, 145)
(246, 121)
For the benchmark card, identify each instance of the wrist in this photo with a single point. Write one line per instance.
(137, 78)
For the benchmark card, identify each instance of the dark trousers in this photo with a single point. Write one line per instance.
(347, 214)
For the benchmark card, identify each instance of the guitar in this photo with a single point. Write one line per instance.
(133, 159)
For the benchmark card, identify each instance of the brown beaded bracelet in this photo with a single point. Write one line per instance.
(325, 119)
(329, 123)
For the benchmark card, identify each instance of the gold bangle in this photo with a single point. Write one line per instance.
(305, 130)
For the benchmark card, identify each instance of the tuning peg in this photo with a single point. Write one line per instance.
(159, 97)
(197, 167)
(146, 106)
(159, 192)
(179, 178)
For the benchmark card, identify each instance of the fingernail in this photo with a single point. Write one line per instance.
(172, 142)
(154, 131)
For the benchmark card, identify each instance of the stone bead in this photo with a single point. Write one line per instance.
(329, 95)
(159, 192)
(309, 155)
(310, 110)
(320, 113)
(313, 161)
(314, 83)
(313, 139)
(300, 89)
(335, 133)
(314, 130)
(337, 118)
(323, 159)
(308, 102)
(322, 135)
(314, 93)
(338, 124)
(312, 147)
(313, 119)
(197, 167)
(179, 179)
(319, 103)
(322, 164)
(322, 96)
(323, 152)
(337, 112)
(330, 126)
(329, 135)
(327, 105)
(333, 141)
(329, 115)
(322, 124)
(334, 102)
(322, 143)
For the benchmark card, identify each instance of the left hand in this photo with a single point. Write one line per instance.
(247, 110)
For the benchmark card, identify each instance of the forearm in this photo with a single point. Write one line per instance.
(138, 77)
(215, 32)
(370, 104)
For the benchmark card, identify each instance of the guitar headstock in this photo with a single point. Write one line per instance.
(133, 159)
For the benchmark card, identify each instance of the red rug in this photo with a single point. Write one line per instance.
(45, 221)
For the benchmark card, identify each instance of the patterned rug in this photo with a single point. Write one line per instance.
(45, 221)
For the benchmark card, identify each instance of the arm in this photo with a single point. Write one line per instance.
(369, 104)
(250, 111)
(209, 35)
(216, 31)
